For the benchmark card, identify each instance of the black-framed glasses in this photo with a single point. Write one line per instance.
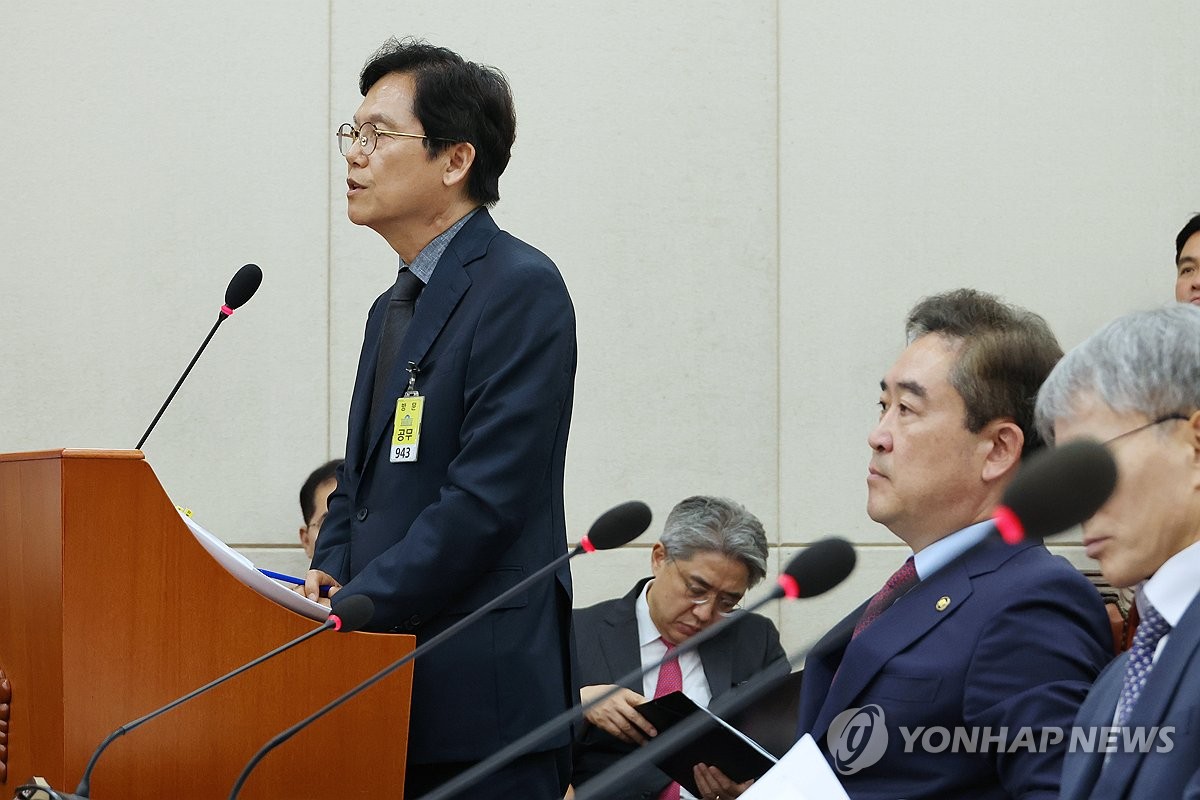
(697, 595)
(1151, 424)
(367, 135)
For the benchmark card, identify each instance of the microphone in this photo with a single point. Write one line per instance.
(615, 527)
(242, 287)
(816, 570)
(352, 614)
(1056, 490)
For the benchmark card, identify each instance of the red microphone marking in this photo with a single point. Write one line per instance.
(791, 589)
(227, 311)
(1012, 531)
(337, 622)
(587, 545)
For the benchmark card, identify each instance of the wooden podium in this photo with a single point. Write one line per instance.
(110, 608)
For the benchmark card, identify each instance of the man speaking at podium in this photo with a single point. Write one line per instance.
(452, 489)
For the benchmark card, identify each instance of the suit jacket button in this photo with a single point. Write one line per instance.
(413, 621)
(362, 514)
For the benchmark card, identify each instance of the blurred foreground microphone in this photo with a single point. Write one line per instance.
(242, 287)
(352, 614)
(615, 527)
(1058, 489)
(815, 570)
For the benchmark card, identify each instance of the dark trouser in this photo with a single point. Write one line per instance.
(534, 776)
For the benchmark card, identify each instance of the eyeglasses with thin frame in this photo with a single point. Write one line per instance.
(1151, 424)
(700, 595)
(367, 135)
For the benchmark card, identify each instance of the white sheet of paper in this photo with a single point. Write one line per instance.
(244, 570)
(802, 774)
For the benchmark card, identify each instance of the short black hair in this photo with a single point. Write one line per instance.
(1005, 356)
(1191, 228)
(455, 100)
(308, 492)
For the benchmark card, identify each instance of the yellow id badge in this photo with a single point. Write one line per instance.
(406, 429)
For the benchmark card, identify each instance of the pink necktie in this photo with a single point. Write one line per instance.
(670, 679)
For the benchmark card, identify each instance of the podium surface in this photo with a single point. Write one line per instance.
(110, 608)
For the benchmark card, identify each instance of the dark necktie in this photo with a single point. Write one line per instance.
(395, 323)
(1150, 630)
(901, 581)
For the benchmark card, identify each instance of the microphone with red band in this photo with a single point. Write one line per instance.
(815, 570)
(1056, 490)
(242, 287)
(615, 527)
(352, 614)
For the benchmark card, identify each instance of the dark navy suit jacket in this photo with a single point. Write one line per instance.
(606, 636)
(1171, 699)
(1020, 636)
(493, 336)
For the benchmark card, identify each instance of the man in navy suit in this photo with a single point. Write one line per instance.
(452, 489)
(711, 551)
(970, 637)
(1135, 385)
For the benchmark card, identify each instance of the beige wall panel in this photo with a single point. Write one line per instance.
(1044, 152)
(152, 149)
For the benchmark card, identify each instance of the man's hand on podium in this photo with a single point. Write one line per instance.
(314, 579)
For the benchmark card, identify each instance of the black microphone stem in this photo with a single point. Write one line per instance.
(547, 729)
(388, 670)
(220, 318)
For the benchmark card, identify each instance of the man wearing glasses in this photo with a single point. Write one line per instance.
(1136, 386)
(452, 487)
(711, 551)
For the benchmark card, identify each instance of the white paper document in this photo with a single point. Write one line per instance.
(244, 570)
(802, 774)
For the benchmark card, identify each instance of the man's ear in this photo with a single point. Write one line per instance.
(1193, 432)
(658, 557)
(1005, 441)
(460, 156)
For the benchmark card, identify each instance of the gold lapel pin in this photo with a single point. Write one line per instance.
(943, 603)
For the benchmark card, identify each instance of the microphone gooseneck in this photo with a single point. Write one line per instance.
(242, 287)
(813, 571)
(613, 528)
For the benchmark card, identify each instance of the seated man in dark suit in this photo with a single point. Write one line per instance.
(924, 690)
(711, 551)
(1135, 385)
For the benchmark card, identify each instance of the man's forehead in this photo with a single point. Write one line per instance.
(707, 566)
(924, 366)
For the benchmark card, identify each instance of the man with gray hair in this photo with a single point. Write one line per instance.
(1135, 385)
(711, 551)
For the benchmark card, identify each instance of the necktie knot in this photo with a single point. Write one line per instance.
(407, 286)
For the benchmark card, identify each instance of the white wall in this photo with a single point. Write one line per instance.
(744, 198)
